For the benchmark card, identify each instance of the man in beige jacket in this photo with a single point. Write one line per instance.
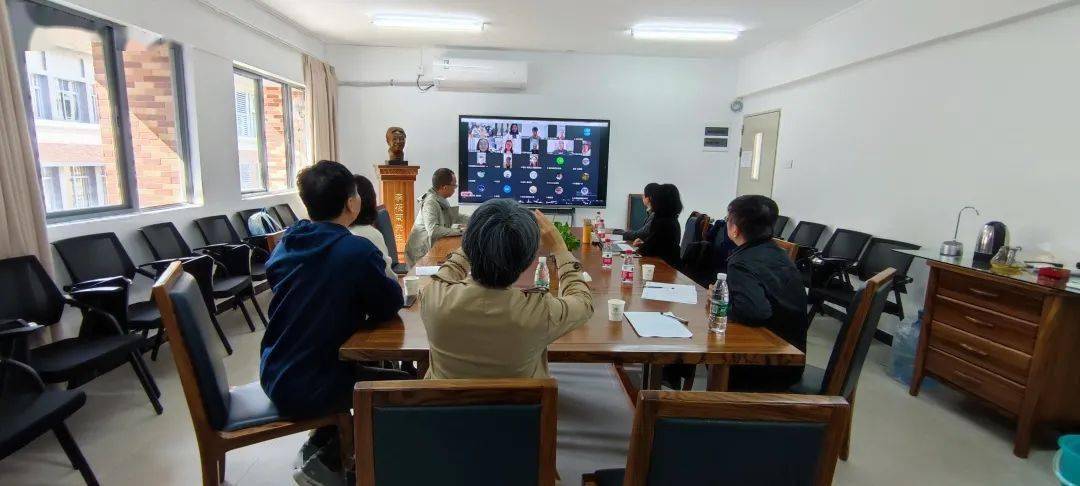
(480, 326)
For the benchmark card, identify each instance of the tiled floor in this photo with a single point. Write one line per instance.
(936, 438)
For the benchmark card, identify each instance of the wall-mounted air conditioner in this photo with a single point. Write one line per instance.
(479, 75)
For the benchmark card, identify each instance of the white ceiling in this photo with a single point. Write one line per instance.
(593, 26)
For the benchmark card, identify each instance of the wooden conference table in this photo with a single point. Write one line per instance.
(600, 340)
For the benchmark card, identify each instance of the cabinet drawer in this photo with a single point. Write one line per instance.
(991, 387)
(1007, 299)
(1007, 362)
(997, 327)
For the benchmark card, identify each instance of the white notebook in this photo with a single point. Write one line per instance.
(655, 324)
(667, 292)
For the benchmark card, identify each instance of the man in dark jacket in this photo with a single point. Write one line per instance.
(327, 283)
(766, 290)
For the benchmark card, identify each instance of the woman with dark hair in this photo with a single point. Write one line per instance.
(661, 237)
(646, 199)
(364, 227)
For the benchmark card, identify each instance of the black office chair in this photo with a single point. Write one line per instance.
(851, 347)
(806, 234)
(383, 224)
(878, 256)
(27, 293)
(28, 410)
(780, 225)
(89, 258)
(829, 266)
(218, 230)
(285, 215)
(232, 278)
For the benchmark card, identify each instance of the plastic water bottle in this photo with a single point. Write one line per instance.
(627, 273)
(601, 230)
(607, 254)
(543, 276)
(719, 303)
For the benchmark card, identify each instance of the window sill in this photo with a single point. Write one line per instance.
(266, 194)
(114, 216)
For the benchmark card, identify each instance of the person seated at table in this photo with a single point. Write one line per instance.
(364, 227)
(661, 237)
(481, 326)
(630, 234)
(766, 290)
(436, 219)
(327, 284)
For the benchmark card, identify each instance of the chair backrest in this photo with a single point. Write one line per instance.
(806, 234)
(245, 219)
(879, 255)
(202, 269)
(217, 229)
(27, 292)
(200, 365)
(386, 227)
(790, 248)
(285, 215)
(779, 226)
(635, 212)
(846, 244)
(741, 438)
(165, 241)
(856, 334)
(94, 256)
(501, 432)
(691, 232)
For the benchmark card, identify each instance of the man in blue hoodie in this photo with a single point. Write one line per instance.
(327, 283)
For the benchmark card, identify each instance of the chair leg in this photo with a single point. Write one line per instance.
(158, 339)
(688, 382)
(210, 470)
(67, 442)
(345, 437)
(845, 446)
(258, 310)
(221, 334)
(146, 372)
(221, 468)
(243, 310)
(149, 386)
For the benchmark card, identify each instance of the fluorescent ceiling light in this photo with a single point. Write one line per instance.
(686, 32)
(428, 22)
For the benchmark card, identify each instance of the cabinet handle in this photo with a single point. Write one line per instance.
(983, 293)
(973, 350)
(981, 323)
(968, 378)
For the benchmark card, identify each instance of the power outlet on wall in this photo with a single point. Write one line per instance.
(789, 163)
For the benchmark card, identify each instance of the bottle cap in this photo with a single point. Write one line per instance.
(543, 259)
(721, 276)
(607, 240)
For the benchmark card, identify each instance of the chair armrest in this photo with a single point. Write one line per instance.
(160, 265)
(21, 367)
(215, 246)
(117, 281)
(97, 293)
(13, 328)
(257, 245)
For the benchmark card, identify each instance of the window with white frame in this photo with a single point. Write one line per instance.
(271, 131)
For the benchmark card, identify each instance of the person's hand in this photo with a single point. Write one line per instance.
(637, 243)
(550, 237)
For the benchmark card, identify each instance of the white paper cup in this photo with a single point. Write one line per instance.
(647, 270)
(615, 308)
(412, 285)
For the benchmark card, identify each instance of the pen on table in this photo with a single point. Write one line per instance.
(677, 318)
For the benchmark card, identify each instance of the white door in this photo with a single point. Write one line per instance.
(757, 157)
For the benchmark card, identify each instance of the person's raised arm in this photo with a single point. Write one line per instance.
(574, 306)
(455, 268)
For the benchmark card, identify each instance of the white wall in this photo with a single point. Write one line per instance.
(896, 145)
(658, 110)
(212, 42)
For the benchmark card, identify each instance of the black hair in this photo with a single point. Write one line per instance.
(325, 188)
(442, 177)
(666, 201)
(500, 242)
(368, 211)
(650, 190)
(754, 215)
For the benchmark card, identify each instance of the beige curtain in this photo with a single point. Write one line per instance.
(322, 85)
(22, 214)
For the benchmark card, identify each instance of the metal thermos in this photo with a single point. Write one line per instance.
(991, 238)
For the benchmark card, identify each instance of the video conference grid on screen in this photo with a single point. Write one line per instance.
(535, 161)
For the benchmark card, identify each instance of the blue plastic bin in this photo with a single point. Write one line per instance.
(1067, 460)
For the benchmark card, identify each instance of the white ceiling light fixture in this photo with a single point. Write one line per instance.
(686, 32)
(429, 22)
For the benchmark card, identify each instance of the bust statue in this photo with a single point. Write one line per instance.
(395, 141)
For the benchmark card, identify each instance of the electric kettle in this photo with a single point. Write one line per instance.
(991, 238)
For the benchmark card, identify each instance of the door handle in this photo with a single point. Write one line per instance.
(983, 293)
(979, 322)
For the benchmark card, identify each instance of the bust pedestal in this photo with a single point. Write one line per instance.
(397, 192)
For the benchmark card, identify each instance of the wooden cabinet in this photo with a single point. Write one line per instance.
(1010, 342)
